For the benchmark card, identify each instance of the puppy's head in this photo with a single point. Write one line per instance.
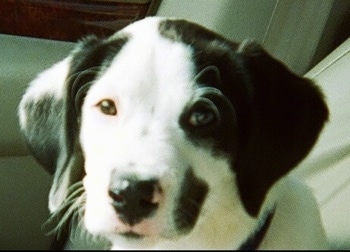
(175, 132)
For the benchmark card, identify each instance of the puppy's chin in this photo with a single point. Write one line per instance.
(101, 220)
(132, 240)
(143, 235)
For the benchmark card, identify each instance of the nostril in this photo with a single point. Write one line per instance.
(144, 203)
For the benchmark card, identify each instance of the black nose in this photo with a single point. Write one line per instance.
(134, 199)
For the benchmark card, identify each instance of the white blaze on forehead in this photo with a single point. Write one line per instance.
(149, 70)
(150, 67)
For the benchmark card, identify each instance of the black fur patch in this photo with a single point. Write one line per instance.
(221, 137)
(89, 62)
(193, 194)
(279, 115)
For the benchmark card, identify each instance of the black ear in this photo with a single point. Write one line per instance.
(284, 118)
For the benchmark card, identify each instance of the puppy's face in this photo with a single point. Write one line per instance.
(159, 141)
(176, 133)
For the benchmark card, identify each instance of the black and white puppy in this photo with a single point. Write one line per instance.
(167, 135)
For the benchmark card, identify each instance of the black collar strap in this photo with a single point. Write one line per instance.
(253, 241)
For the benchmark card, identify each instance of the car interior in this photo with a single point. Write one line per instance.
(310, 36)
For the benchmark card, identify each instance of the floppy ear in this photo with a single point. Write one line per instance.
(49, 124)
(49, 112)
(284, 118)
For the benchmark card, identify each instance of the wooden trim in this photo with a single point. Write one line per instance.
(69, 20)
(153, 7)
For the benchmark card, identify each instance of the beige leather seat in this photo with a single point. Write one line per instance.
(327, 168)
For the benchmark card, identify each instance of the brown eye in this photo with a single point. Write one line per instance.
(107, 107)
(203, 114)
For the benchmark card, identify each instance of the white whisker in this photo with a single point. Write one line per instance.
(70, 212)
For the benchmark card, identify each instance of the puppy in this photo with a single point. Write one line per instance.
(167, 135)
